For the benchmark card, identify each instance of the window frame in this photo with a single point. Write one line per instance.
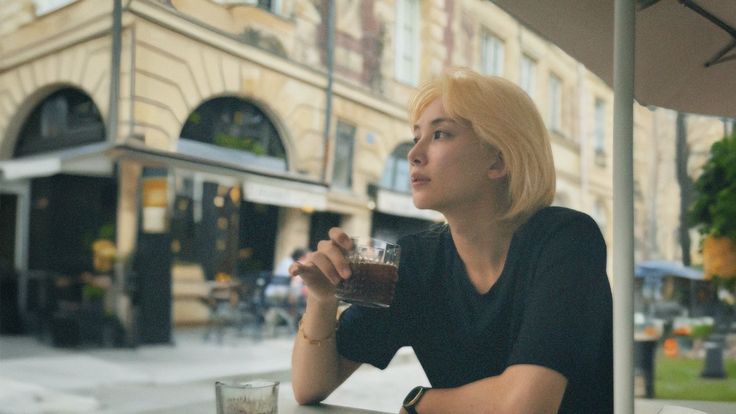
(554, 101)
(392, 177)
(408, 46)
(528, 83)
(599, 126)
(337, 179)
(493, 46)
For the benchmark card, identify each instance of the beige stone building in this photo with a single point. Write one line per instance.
(212, 137)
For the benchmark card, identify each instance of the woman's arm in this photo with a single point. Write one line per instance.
(520, 389)
(316, 367)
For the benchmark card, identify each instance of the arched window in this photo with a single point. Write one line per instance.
(396, 171)
(235, 124)
(66, 118)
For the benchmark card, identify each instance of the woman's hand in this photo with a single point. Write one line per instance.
(323, 269)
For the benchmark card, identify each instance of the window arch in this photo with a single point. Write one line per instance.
(66, 118)
(235, 124)
(396, 171)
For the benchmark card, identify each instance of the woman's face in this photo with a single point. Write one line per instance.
(450, 169)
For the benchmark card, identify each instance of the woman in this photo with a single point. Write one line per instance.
(507, 306)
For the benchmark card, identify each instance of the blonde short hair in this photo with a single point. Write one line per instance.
(503, 116)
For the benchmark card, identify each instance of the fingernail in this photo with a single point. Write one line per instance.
(345, 272)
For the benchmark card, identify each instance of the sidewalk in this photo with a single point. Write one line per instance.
(179, 378)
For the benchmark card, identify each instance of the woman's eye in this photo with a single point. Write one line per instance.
(439, 134)
(415, 140)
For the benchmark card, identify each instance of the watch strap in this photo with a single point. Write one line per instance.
(413, 398)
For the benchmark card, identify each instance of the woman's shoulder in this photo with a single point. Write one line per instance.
(428, 242)
(557, 223)
(554, 216)
(431, 235)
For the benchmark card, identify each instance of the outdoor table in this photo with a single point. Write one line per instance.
(288, 405)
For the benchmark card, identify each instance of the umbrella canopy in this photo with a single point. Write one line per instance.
(685, 56)
(664, 268)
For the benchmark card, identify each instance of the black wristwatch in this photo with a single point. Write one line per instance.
(412, 399)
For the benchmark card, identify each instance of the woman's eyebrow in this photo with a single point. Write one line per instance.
(437, 121)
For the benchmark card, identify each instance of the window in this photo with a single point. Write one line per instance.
(599, 133)
(66, 118)
(342, 168)
(234, 130)
(396, 172)
(526, 74)
(47, 6)
(273, 6)
(555, 103)
(491, 55)
(407, 41)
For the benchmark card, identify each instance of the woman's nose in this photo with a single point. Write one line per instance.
(418, 152)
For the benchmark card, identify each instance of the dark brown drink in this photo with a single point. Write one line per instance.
(370, 284)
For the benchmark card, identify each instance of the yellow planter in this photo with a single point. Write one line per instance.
(719, 257)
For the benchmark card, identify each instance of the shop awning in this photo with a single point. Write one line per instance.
(259, 186)
(400, 204)
(83, 160)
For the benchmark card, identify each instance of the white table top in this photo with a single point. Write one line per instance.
(288, 405)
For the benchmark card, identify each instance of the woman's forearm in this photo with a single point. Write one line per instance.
(315, 365)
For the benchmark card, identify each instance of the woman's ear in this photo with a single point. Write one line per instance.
(498, 167)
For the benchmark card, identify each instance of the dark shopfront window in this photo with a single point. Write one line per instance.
(67, 118)
(68, 213)
(215, 230)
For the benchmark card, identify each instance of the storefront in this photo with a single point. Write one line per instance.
(222, 206)
(186, 154)
(59, 205)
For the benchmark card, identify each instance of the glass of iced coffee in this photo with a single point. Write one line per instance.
(374, 266)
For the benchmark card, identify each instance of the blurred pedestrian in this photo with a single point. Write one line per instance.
(507, 305)
(283, 288)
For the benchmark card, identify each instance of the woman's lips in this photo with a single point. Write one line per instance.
(418, 180)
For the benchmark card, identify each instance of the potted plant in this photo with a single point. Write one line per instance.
(714, 210)
(714, 214)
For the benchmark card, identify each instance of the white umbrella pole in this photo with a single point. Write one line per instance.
(623, 206)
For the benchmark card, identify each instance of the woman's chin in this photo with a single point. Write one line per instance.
(422, 204)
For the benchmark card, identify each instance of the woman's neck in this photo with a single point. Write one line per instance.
(483, 245)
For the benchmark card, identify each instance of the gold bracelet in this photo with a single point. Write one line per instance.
(317, 342)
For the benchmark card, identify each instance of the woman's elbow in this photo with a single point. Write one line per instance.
(305, 396)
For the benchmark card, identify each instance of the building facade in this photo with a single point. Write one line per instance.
(209, 138)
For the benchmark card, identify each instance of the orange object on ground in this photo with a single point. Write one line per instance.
(671, 348)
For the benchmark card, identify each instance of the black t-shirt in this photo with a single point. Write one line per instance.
(551, 306)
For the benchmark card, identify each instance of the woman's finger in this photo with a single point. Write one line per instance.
(326, 267)
(341, 239)
(336, 256)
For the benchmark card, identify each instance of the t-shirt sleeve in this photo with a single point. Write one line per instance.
(373, 336)
(569, 304)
